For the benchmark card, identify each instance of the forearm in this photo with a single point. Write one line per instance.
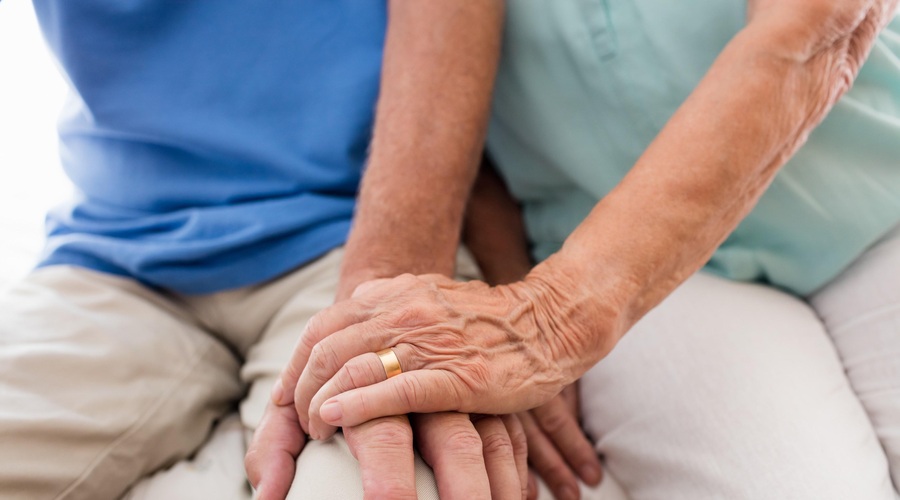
(494, 230)
(704, 172)
(440, 59)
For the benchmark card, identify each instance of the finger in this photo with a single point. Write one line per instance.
(326, 359)
(321, 325)
(532, 485)
(570, 395)
(361, 371)
(547, 461)
(499, 458)
(419, 391)
(384, 449)
(561, 426)
(520, 448)
(271, 457)
(452, 447)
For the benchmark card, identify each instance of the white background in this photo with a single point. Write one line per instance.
(31, 95)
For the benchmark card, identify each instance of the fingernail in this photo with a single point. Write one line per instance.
(590, 474)
(278, 392)
(331, 412)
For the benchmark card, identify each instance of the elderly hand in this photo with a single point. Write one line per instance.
(462, 347)
(489, 452)
(558, 450)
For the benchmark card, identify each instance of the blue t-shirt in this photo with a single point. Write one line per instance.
(212, 144)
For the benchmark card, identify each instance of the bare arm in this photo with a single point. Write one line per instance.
(439, 67)
(494, 230)
(439, 63)
(472, 348)
(773, 83)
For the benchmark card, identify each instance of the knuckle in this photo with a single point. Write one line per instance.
(382, 488)
(413, 393)
(581, 452)
(552, 421)
(519, 441)
(322, 360)
(497, 443)
(414, 313)
(394, 432)
(463, 441)
(560, 473)
(458, 391)
(355, 375)
(311, 330)
(390, 435)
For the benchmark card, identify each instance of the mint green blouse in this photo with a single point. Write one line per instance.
(585, 85)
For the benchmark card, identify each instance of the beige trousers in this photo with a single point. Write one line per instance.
(104, 382)
(725, 391)
(740, 391)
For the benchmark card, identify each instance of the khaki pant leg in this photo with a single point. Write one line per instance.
(101, 382)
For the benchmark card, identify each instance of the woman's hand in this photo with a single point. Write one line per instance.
(462, 347)
(558, 450)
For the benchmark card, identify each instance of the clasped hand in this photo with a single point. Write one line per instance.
(463, 347)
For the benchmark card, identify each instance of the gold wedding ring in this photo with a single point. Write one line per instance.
(390, 361)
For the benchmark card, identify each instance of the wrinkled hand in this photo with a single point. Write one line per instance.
(462, 346)
(490, 453)
(558, 450)
(382, 446)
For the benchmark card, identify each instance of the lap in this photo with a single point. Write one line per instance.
(111, 381)
(731, 390)
(861, 310)
(725, 390)
(101, 381)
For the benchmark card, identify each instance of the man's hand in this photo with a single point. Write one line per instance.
(382, 446)
(484, 458)
(489, 453)
(558, 450)
(271, 457)
(424, 155)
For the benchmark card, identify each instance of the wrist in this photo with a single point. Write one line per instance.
(370, 255)
(581, 321)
